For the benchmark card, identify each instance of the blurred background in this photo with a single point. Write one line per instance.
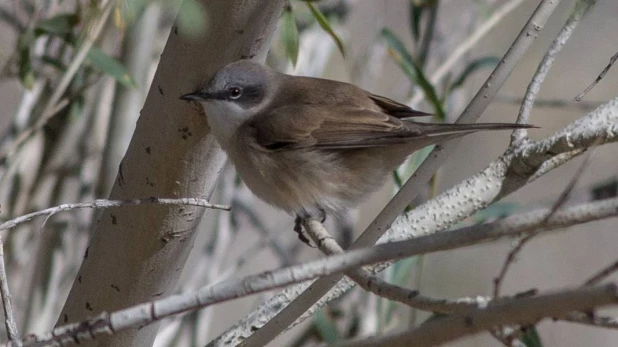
(78, 132)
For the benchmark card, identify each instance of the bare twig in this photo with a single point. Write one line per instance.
(519, 310)
(601, 275)
(512, 256)
(412, 298)
(593, 320)
(373, 284)
(581, 95)
(104, 203)
(556, 103)
(231, 289)
(544, 66)
(9, 318)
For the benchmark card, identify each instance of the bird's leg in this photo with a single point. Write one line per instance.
(317, 214)
(298, 228)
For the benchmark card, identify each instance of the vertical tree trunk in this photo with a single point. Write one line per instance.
(137, 253)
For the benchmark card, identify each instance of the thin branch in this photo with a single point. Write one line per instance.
(412, 298)
(581, 95)
(231, 289)
(534, 87)
(507, 227)
(235, 288)
(564, 195)
(520, 311)
(9, 317)
(373, 284)
(556, 162)
(602, 275)
(555, 103)
(104, 203)
(267, 239)
(592, 320)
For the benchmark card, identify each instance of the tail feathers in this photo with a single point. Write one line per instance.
(462, 129)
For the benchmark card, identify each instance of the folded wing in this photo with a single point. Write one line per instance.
(309, 126)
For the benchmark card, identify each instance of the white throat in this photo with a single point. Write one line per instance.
(224, 118)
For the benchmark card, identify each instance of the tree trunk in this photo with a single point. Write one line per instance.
(136, 254)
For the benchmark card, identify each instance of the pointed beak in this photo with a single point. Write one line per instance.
(197, 96)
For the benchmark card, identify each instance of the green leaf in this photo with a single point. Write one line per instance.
(58, 25)
(77, 107)
(416, 11)
(192, 18)
(397, 178)
(326, 327)
(414, 72)
(26, 75)
(110, 66)
(430, 26)
(484, 62)
(290, 35)
(530, 337)
(319, 17)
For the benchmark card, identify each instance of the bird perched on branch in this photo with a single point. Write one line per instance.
(313, 146)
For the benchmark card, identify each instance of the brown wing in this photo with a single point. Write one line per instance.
(293, 127)
(306, 126)
(396, 109)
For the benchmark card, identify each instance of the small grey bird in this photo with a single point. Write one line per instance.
(311, 146)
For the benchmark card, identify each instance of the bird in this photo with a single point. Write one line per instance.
(311, 146)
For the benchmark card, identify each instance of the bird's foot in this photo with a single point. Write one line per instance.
(317, 214)
(298, 228)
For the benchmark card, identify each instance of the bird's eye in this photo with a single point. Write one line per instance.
(235, 92)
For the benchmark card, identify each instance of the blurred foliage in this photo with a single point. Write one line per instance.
(69, 29)
(423, 19)
(297, 18)
(326, 326)
(289, 32)
(325, 24)
(530, 337)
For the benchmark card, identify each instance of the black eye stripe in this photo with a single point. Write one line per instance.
(252, 92)
(244, 95)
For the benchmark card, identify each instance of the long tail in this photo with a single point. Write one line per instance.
(456, 130)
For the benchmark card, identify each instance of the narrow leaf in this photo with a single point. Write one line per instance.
(530, 337)
(26, 75)
(326, 327)
(110, 66)
(326, 26)
(403, 58)
(416, 11)
(58, 25)
(290, 35)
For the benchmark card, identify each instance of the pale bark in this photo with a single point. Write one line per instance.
(137, 254)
